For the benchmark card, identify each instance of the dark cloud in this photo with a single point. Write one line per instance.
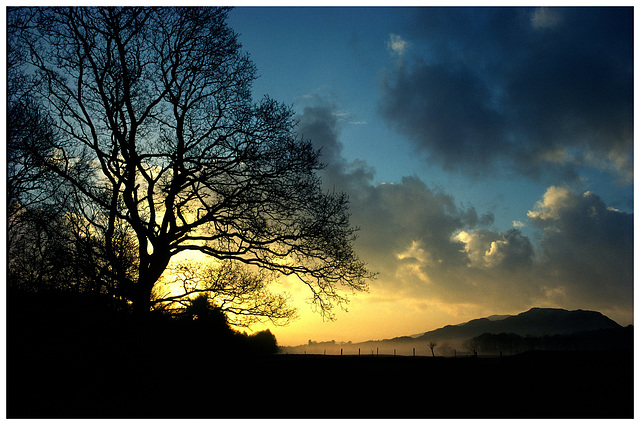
(447, 111)
(545, 89)
(587, 247)
(512, 251)
(320, 124)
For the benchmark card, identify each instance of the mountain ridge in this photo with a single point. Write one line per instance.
(537, 321)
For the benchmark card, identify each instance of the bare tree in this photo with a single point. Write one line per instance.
(471, 345)
(242, 295)
(30, 135)
(157, 134)
(432, 345)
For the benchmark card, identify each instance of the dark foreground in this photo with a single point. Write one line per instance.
(73, 358)
(180, 383)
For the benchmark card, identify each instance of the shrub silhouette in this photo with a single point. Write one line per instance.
(204, 327)
(263, 342)
(207, 329)
(203, 312)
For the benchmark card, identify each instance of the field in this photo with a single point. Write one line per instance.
(181, 384)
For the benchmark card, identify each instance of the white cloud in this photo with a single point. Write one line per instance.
(553, 201)
(397, 45)
(348, 117)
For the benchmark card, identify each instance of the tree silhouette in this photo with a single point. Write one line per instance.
(159, 140)
(34, 204)
(471, 345)
(432, 345)
(241, 294)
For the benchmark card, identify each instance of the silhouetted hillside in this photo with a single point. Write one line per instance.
(535, 322)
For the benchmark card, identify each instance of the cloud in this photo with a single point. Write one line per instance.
(545, 17)
(396, 217)
(393, 217)
(542, 91)
(584, 255)
(320, 123)
(396, 45)
(447, 112)
(555, 200)
(587, 247)
(510, 250)
(429, 248)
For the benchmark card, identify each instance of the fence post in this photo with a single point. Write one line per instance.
(376, 351)
(414, 351)
(341, 351)
(394, 352)
(358, 351)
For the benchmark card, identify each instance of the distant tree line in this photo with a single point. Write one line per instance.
(511, 343)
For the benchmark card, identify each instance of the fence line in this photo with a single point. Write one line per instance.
(405, 351)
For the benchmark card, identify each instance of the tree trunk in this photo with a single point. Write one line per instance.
(142, 295)
(142, 302)
(150, 269)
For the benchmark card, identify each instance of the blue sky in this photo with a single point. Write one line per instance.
(487, 153)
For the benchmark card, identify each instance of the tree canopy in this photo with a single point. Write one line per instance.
(155, 135)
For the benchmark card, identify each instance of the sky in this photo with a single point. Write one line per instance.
(487, 154)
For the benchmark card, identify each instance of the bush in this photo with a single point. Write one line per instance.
(263, 342)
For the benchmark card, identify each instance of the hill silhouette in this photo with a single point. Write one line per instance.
(535, 322)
